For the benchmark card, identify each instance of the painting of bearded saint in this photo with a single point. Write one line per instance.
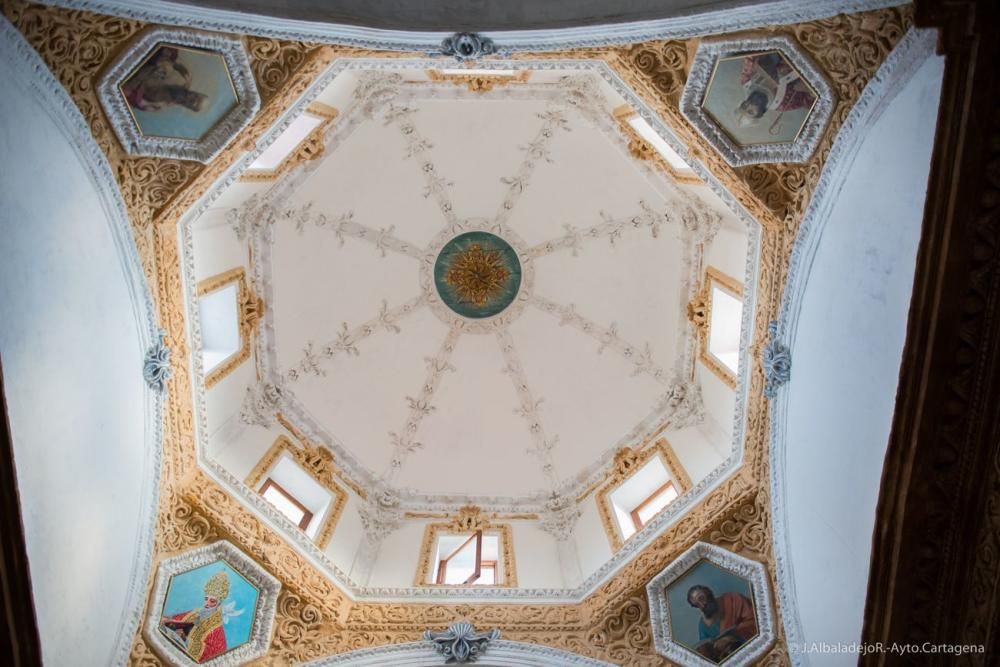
(712, 611)
(759, 98)
(205, 612)
(179, 92)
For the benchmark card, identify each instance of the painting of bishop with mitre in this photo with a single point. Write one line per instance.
(217, 623)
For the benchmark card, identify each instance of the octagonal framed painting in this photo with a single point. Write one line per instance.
(179, 94)
(711, 607)
(757, 99)
(211, 606)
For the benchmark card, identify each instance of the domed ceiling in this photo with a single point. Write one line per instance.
(476, 292)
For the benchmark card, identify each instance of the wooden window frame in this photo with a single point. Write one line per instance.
(636, 521)
(442, 567)
(505, 575)
(307, 515)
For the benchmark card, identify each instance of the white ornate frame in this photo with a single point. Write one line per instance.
(263, 622)
(203, 150)
(501, 653)
(659, 606)
(699, 78)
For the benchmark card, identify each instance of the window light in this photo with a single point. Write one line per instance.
(724, 328)
(295, 511)
(297, 494)
(220, 326)
(467, 558)
(642, 496)
(286, 143)
(647, 132)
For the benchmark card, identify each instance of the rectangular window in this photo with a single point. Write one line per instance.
(642, 496)
(724, 328)
(220, 326)
(467, 559)
(295, 511)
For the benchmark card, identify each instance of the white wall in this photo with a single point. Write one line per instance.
(73, 332)
(845, 364)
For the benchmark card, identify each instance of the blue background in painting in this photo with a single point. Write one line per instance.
(187, 592)
(684, 617)
(209, 76)
(459, 245)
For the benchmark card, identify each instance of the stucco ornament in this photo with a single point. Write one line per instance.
(156, 365)
(704, 74)
(467, 46)
(753, 573)
(460, 643)
(777, 362)
(261, 402)
(205, 147)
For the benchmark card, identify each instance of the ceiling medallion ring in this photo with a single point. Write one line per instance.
(477, 275)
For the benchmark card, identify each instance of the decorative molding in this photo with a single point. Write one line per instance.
(776, 361)
(310, 148)
(644, 151)
(773, 12)
(249, 312)
(460, 643)
(479, 82)
(699, 314)
(419, 654)
(700, 77)
(467, 46)
(33, 77)
(318, 463)
(156, 369)
(627, 462)
(469, 519)
(134, 141)
(260, 633)
(659, 607)
(262, 402)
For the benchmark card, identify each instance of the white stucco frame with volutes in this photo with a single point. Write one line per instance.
(263, 622)
(700, 77)
(134, 141)
(659, 606)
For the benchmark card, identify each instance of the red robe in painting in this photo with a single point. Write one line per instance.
(205, 638)
(796, 95)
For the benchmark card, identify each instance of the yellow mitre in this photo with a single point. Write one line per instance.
(218, 586)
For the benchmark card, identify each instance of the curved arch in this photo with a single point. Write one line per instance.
(839, 174)
(500, 653)
(113, 526)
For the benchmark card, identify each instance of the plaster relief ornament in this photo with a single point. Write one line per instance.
(179, 94)
(467, 46)
(211, 606)
(477, 274)
(460, 643)
(777, 362)
(757, 100)
(156, 364)
(711, 607)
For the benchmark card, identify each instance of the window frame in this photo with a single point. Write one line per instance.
(641, 149)
(505, 567)
(249, 310)
(304, 456)
(627, 463)
(714, 278)
(307, 515)
(310, 147)
(636, 520)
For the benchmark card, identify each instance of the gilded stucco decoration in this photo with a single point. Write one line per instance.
(627, 462)
(313, 617)
(318, 462)
(249, 311)
(469, 519)
(479, 82)
(641, 149)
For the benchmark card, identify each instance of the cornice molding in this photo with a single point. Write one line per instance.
(501, 653)
(911, 52)
(34, 76)
(775, 12)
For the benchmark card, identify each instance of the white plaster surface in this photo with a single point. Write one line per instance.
(72, 354)
(845, 365)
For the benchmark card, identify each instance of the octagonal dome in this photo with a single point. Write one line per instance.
(487, 289)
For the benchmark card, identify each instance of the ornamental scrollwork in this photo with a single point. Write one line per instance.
(467, 46)
(460, 643)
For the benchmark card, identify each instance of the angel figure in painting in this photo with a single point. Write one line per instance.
(771, 84)
(162, 81)
(201, 632)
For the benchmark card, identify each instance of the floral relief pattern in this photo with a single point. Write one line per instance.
(314, 617)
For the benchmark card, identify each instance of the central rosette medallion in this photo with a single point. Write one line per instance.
(477, 274)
